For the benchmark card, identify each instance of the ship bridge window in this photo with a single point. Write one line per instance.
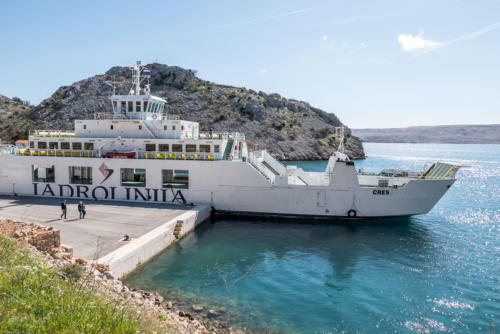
(42, 144)
(123, 108)
(53, 144)
(150, 147)
(190, 148)
(76, 146)
(80, 175)
(43, 174)
(114, 106)
(64, 145)
(133, 177)
(205, 148)
(88, 146)
(163, 147)
(32, 144)
(138, 106)
(175, 178)
(130, 106)
(145, 105)
(173, 127)
(216, 148)
(176, 147)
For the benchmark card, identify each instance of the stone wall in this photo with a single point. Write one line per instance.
(45, 239)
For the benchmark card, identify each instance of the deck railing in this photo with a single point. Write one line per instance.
(12, 150)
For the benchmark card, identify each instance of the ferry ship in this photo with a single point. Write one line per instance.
(140, 153)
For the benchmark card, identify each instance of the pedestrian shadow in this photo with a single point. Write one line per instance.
(51, 221)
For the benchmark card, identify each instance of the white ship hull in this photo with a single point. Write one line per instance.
(228, 186)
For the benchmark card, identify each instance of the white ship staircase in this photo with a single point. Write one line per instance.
(268, 166)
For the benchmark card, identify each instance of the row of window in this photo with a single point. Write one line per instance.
(149, 147)
(129, 177)
(179, 148)
(63, 145)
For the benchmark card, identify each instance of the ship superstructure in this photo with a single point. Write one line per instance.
(138, 152)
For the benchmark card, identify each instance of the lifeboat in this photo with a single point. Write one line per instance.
(122, 155)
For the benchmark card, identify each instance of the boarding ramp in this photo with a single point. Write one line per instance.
(441, 171)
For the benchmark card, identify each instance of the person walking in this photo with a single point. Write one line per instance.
(81, 210)
(63, 209)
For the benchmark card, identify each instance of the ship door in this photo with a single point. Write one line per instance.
(321, 199)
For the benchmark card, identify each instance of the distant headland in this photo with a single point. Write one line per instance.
(445, 134)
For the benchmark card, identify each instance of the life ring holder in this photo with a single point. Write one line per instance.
(154, 116)
(352, 213)
(97, 116)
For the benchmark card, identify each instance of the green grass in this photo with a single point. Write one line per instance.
(35, 298)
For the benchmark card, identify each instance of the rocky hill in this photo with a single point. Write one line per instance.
(450, 134)
(289, 129)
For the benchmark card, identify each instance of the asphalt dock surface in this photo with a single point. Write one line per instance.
(104, 225)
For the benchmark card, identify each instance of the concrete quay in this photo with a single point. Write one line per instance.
(152, 227)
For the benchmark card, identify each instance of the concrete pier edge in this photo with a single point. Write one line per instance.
(124, 260)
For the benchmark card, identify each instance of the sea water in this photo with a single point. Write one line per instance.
(438, 272)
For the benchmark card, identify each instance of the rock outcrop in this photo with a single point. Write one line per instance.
(289, 129)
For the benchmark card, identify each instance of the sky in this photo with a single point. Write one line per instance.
(375, 64)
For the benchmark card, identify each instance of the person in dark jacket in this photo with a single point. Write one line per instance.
(63, 209)
(81, 210)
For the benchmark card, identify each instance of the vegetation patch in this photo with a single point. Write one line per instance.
(36, 298)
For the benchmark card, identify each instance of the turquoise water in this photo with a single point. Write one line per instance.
(434, 273)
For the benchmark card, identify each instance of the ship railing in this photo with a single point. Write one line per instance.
(52, 133)
(109, 116)
(221, 135)
(12, 150)
(170, 117)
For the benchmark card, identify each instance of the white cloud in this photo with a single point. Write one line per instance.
(409, 42)
(324, 38)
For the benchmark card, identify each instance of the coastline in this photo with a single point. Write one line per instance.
(99, 277)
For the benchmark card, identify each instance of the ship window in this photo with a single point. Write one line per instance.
(163, 147)
(173, 127)
(88, 146)
(164, 127)
(80, 175)
(123, 107)
(32, 144)
(130, 106)
(140, 127)
(216, 148)
(77, 146)
(85, 126)
(111, 127)
(190, 148)
(150, 147)
(176, 147)
(133, 177)
(204, 148)
(138, 106)
(42, 144)
(53, 144)
(114, 106)
(145, 106)
(175, 178)
(64, 145)
(43, 174)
